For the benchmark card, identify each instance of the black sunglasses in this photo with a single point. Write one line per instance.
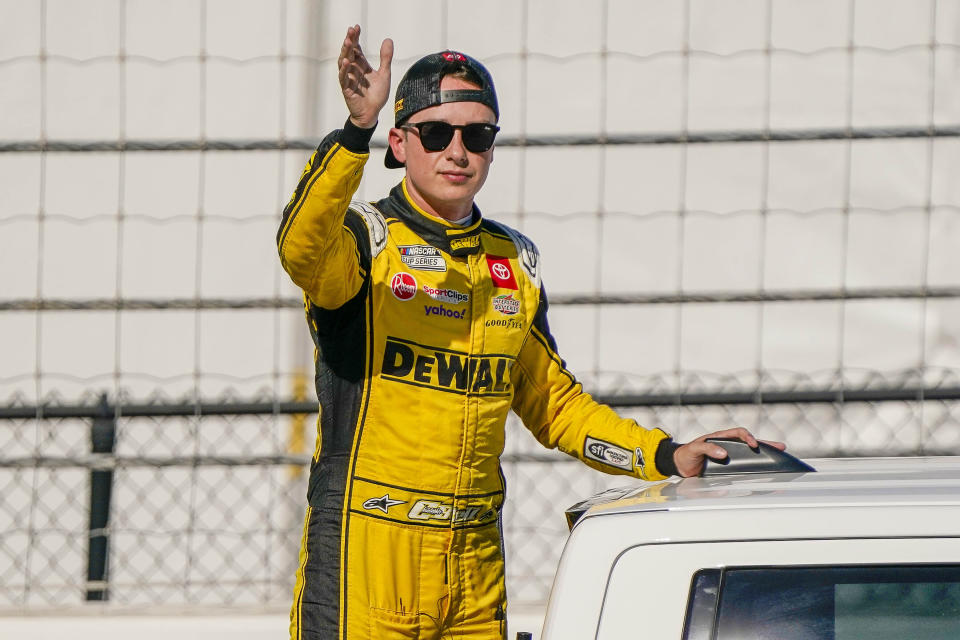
(436, 135)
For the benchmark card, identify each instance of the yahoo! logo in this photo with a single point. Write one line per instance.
(440, 310)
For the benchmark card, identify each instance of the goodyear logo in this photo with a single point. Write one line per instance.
(446, 370)
(469, 242)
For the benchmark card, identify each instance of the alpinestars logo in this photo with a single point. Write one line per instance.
(383, 503)
(506, 304)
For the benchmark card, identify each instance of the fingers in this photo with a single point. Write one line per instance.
(365, 89)
(386, 55)
(350, 42)
(352, 78)
(702, 448)
(775, 444)
(689, 458)
(351, 51)
(738, 432)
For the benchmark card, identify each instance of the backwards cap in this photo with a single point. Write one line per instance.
(419, 88)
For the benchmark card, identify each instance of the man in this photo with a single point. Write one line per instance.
(430, 326)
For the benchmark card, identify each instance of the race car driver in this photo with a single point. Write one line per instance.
(430, 325)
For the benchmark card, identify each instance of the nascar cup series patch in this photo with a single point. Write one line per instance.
(422, 257)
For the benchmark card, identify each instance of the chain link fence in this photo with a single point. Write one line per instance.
(205, 509)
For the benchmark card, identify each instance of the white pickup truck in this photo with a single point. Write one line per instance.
(859, 548)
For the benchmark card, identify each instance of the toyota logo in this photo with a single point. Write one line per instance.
(500, 271)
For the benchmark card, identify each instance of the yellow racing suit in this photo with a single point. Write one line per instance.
(427, 334)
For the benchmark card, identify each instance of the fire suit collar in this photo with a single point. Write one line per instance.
(455, 240)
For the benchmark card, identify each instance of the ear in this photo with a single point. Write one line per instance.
(397, 139)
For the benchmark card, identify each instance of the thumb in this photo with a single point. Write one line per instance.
(386, 55)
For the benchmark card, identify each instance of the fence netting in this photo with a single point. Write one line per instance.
(747, 211)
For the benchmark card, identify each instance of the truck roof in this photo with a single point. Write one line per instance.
(837, 482)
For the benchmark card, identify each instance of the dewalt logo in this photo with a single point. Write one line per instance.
(446, 370)
(469, 242)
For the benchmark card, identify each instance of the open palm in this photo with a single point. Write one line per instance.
(365, 89)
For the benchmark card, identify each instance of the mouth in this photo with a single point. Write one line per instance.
(455, 177)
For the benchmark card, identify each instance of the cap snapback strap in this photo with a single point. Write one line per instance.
(464, 95)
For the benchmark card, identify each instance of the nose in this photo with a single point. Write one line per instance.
(456, 151)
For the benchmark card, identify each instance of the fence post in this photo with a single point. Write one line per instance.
(102, 438)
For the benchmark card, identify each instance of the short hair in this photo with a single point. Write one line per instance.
(467, 74)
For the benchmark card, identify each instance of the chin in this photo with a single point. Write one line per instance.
(457, 191)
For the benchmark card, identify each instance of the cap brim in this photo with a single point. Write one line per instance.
(390, 161)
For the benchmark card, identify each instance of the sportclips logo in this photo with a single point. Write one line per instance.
(445, 370)
(451, 296)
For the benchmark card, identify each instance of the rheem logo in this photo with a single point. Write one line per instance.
(403, 285)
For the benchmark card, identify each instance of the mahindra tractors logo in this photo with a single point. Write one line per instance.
(403, 285)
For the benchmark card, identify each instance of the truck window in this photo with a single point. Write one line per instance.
(880, 602)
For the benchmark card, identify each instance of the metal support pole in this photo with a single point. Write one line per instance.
(102, 438)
